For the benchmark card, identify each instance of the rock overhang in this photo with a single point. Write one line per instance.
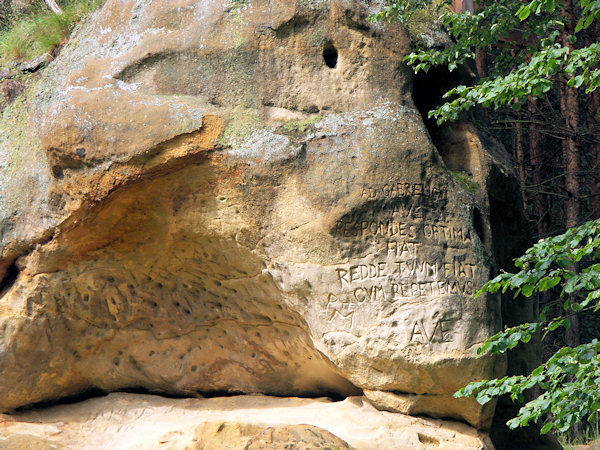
(241, 216)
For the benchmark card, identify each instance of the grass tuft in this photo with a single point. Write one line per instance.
(466, 181)
(300, 127)
(590, 439)
(38, 32)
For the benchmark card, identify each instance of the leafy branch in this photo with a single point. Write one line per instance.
(526, 65)
(570, 379)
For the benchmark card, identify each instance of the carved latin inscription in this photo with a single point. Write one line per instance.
(419, 254)
(438, 331)
(401, 189)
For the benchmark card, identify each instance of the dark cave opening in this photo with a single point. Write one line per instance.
(330, 56)
(10, 276)
(68, 400)
(428, 92)
(478, 224)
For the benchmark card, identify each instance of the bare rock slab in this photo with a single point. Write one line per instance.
(131, 421)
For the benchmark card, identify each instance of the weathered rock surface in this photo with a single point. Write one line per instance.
(242, 197)
(295, 437)
(129, 421)
(434, 405)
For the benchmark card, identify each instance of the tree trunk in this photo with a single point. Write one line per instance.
(521, 161)
(595, 122)
(53, 6)
(460, 6)
(481, 61)
(571, 156)
(569, 107)
(535, 161)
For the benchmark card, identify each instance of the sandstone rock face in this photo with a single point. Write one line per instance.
(131, 421)
(296, 437)
(228, 196)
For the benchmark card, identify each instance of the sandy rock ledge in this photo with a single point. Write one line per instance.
(134, 421)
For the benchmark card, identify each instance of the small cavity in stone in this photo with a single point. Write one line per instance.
(330, 56)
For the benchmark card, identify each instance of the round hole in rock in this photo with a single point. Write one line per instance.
(330, 55)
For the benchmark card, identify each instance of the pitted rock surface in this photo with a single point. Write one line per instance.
(225, 207)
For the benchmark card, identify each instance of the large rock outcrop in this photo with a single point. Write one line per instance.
(232, 196)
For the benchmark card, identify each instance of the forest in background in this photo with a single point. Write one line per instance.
(554, 140)
(533, 73)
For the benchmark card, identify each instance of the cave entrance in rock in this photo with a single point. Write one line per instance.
(428, 91)
(10, 276)
(330, 56)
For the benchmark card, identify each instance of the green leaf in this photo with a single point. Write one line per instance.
(524, 12)
(483, 398)
(544, 313)
(548, 283)
(528, 290)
